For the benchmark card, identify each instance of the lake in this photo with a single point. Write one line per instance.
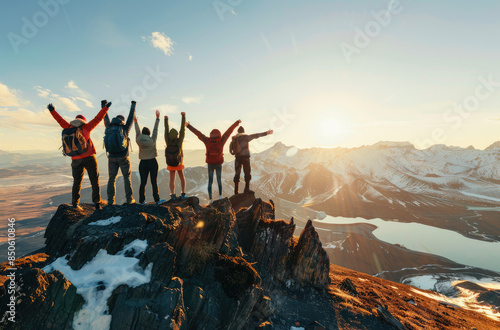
(422, 238)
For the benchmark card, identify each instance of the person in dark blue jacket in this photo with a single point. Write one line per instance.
(117, 146)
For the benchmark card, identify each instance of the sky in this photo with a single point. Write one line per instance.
(319, 73)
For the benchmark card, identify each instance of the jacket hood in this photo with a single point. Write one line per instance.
(215, 134)
(173, 134)
(143, 138)
(77, 122)
(117, 121)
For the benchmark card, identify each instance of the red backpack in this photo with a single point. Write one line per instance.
(214, 151)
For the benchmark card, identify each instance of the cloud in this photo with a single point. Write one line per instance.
(87, 102)
(166, 108)
(71, 84)
(8, 97)
(161, 41)
(22, 119)
(57, 99)
(192, 99)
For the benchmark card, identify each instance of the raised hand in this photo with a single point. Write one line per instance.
(183, 113)
(269, 132)
(133, 102)
(157, 114)
(108, 105)
(166, 117)
(135, 119)
(186, 124)
(103, 103)
(50, 107)
(239, 121)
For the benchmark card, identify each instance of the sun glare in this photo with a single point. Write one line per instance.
(330, 128)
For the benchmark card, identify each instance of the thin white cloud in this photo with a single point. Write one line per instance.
(166, 108)
(161, 41)
(192, 99)
(22, 119)
(87, 102)
(57, 99)
(8, 97)
(74, 89)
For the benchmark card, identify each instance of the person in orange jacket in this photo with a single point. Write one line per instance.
(86, 160)
(214, 155)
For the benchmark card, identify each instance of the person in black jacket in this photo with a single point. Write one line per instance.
(117, 146)
(239, 148)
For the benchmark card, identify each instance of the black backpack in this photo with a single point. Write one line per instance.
(73, 141)
(173, 155)
(115, 139)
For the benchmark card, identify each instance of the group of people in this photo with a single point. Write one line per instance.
(78, 144)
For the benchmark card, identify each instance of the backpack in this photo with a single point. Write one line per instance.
(214, 150)
(115, 139)
(73, 141)
(235, 146)
(173, 155)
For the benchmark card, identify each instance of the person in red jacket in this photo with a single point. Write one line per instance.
(86, 160)
(214, 155)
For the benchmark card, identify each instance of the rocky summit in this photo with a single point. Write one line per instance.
(227, 265)
(176, 265)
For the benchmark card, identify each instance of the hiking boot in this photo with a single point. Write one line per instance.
(77, 207)
(111, 203)
(183, 196)
(132, 201)
(220, 197)
(247, 187)
(143, 203)
(236, 188)
(172, 198)
(161, 201)
(98, 206)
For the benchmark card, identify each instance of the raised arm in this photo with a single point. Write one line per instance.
(137, 128)
(166, 129)
(229, 131)
(107, 122)
(130, 118)
(97, 119)
(155, 129)
(199, 134)
(60, 120)
(257, 135)
(183, 127)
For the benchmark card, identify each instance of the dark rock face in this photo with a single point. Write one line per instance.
(209, 267)
(46, 301)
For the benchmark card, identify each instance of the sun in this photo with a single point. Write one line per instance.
(330, 128)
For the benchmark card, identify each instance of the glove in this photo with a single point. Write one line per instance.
(108, 105)
(103, 103)
(50, 107)
(133, 102)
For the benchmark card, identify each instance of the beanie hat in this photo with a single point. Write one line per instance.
(146, 131)
(241, 129)
(81, 117)
(120, 117)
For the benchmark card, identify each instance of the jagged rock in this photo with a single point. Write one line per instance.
(384, 314)
(309, 262)
(271, 247)
(47, 301)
